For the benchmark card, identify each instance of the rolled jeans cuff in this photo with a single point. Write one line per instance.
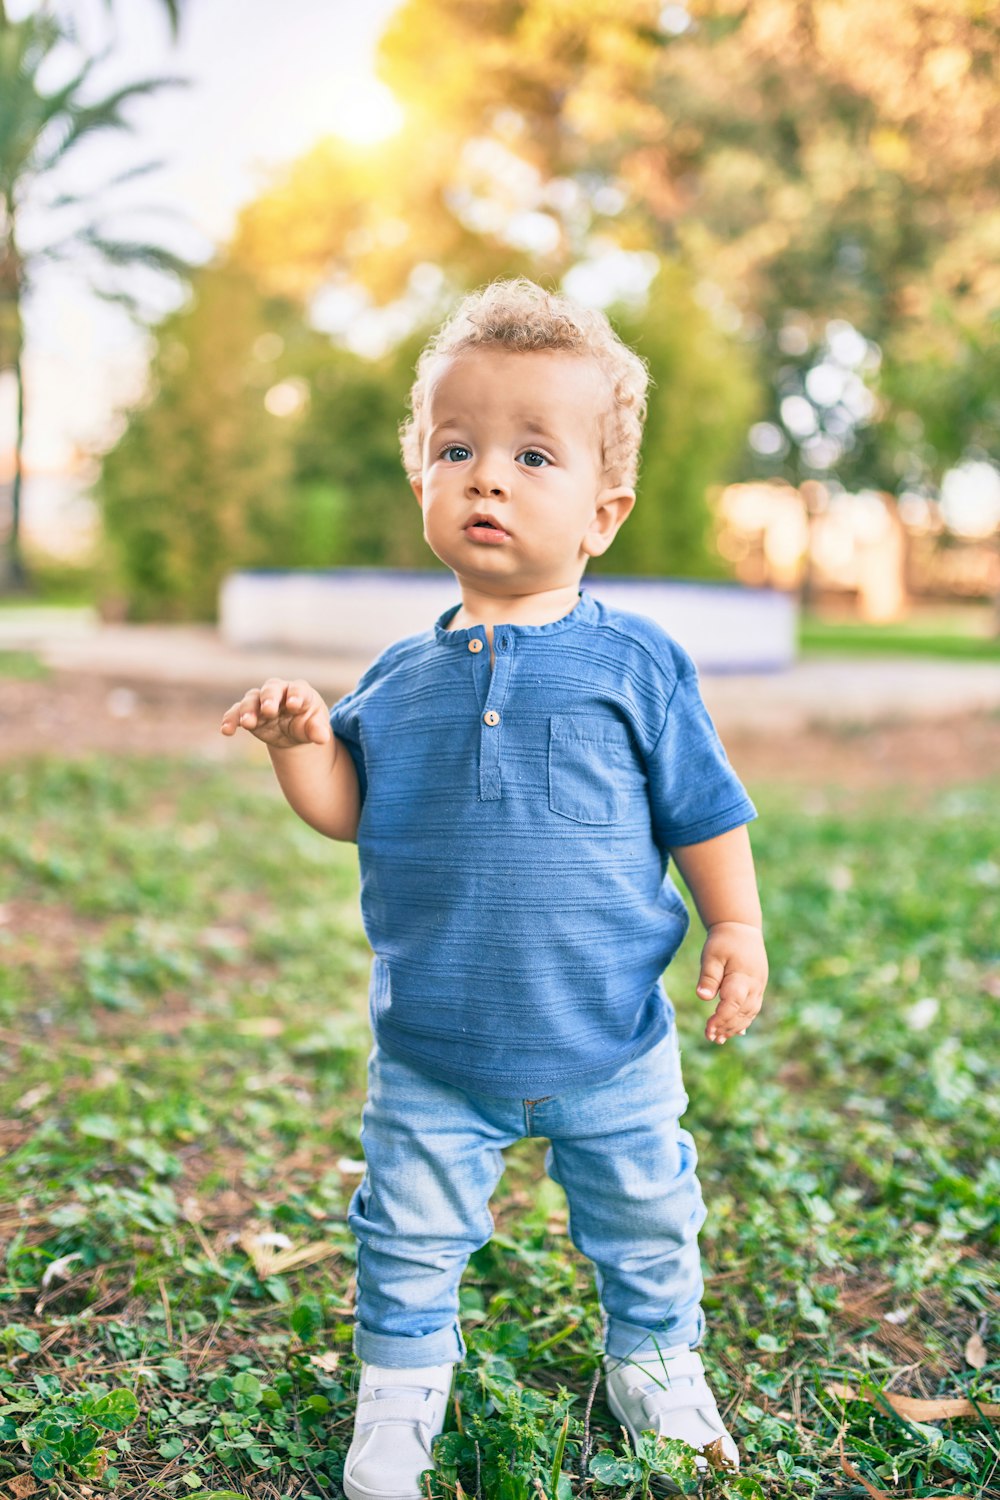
(445, 1346)
(623, 1341)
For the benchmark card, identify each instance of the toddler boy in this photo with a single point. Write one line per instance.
(517, 778)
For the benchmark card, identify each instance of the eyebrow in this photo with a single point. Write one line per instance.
(528, 423)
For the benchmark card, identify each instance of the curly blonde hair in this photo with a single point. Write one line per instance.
(519, 315)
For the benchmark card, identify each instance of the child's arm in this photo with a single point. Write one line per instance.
(719, 873)
(314, 770)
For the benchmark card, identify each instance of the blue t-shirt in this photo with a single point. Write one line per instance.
(513, 842)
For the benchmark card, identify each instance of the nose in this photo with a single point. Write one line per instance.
(486, 477)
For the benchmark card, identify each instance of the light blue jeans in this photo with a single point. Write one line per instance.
(433, 1158)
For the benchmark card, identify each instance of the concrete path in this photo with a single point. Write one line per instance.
(817, 691)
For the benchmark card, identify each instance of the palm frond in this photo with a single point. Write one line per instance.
(25, 113)
(71, 200)
(106, 114)
(51, 106)
(27, 43)
(91, 237)
(135, 252)
(173, 10)
(120, 299)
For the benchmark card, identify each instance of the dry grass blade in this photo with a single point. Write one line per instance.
(270, 1262)
(921, 1411)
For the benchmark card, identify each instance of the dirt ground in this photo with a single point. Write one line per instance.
(69, 714)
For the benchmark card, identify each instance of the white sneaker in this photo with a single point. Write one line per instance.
(665, 1391)
(398, 1416)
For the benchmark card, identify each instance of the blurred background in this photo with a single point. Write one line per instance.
(229, 228)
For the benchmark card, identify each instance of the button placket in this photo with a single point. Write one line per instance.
(491, 725)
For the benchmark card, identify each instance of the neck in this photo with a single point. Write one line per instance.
(541, 607)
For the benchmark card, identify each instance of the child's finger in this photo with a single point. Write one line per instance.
(299, 693)
(309, 711)
(231, 718)
(272, 696)
(712, 971)
(721, 1037)
(318, 726)
(735, 991)
(735, 1012)
(250, 708)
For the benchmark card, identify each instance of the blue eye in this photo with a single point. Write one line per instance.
(461, 448)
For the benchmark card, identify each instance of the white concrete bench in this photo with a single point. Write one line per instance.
(727, 627)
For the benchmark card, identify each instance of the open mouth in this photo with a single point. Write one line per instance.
(488, 528)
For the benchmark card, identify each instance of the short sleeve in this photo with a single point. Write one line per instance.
(344, 723)
(694, 792)
(345, 720)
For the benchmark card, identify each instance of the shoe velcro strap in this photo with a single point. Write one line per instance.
(673, 1397)
(400, 1408)
(674, 1401)
(680, 1366)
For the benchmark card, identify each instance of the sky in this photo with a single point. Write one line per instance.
(267, 81)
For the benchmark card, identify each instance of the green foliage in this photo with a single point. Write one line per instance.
(905, 639)
(348, 444)
(940, 386)
(847, 1151)
(775, 151)
(205, 479)
(22, 665)
(702, 397)
(198, 482)
(651, 1455)
(63, 1433)
(39, 127)
(512, 1438)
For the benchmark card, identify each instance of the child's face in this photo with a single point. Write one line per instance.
(517, 436)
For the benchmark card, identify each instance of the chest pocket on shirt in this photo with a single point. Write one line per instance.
(591, 768)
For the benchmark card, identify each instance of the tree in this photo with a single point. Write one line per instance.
(199, 481)
(793, 187)
(37, 132)
(702, 397)
(808, 161)
(800, 152)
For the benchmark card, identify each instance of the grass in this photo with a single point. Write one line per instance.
(182, 1050)
(23, 665)
(52, 582)
(917, 637)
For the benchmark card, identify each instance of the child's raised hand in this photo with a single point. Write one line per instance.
(282, 714)
(734, 969)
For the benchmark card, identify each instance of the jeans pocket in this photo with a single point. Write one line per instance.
(591, 768)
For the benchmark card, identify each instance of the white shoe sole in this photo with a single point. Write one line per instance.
(358, 1492)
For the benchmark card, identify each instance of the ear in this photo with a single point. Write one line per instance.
(610, 510)
(417, 486)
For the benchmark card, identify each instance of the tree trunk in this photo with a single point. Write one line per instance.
(13, 577)
(16, 579)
